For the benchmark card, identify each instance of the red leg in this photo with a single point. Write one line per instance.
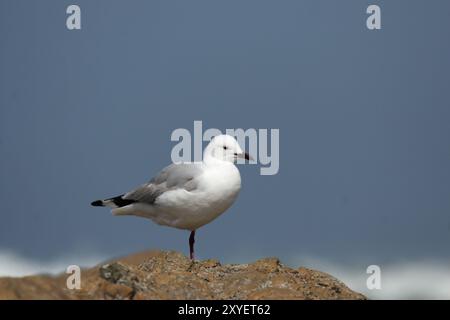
(191, 244)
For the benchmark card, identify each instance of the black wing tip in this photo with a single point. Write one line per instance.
(97, 203)
(121, 202)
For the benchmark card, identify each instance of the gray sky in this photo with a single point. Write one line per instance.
(363, 118)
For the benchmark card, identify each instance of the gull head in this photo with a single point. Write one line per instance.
(224, 148)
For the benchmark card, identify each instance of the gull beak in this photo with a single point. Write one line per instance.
(245, 155)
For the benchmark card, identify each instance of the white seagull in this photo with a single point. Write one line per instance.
(187, 195)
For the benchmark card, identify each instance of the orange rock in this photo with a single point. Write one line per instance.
(171, 275)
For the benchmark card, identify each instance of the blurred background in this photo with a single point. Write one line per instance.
(363, 116)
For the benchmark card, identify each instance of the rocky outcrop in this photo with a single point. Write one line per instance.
(171, 275)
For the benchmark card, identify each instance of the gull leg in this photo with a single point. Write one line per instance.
(191, 244)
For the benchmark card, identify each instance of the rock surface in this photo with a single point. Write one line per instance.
(171, 275)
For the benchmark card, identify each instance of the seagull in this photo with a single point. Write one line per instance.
(187, 195)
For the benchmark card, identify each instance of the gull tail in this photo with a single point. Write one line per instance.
(116, 202)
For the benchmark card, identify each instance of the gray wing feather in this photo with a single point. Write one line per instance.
(172, 177)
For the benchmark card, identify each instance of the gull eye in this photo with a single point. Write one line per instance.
(225, 147)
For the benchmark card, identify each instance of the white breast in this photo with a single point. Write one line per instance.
(218, 188)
